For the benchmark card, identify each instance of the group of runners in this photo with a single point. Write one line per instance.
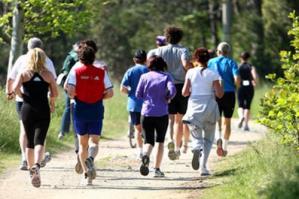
(169, 92)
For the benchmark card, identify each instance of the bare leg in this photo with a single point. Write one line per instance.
(93, 146)
(23, 141)
(148, 149)
(38, 153)
(227, 132)
(186, 136)
(138, 135)
(178, 131)
(30, 157)
(83, 150)
(170, 126)
(159, 155)
(246, 117)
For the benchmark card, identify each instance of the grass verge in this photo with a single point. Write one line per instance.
(266, 170)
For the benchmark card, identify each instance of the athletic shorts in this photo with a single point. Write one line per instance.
(152, 125)
(88, 127)
(226, 104)
(135, 118)
(179, 103)
(245, 96)
(18, 109)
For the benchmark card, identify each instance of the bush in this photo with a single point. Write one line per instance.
(281, 104)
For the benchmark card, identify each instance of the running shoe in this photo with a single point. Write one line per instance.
(60, 136)
(78, 166)
(144, 165)
(246, 128)
(35, 176)
(91, 171)
(219, 147)
(86, 180)
(46, 159)
(204, 172)
(177, 155)
(159, 173)
(23, 165)
(240, 124)
(195, 159)
(185, 148)
(171, 152)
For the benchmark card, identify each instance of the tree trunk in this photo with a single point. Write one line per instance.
(227, 20)
(17, 35)
(213, 23)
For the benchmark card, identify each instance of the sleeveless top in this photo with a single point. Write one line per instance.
(35, 91)
(245, 74)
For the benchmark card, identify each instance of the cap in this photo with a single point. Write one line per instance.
(160, 40)
(223, 47)
(140, 54)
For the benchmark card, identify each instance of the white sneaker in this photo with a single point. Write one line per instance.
(60, 136)
(35, 176)
(204, 172)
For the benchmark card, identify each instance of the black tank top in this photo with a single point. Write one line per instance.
(36, 91)
(245, 71)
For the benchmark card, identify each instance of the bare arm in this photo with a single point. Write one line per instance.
(53, 92)
(9, 90)
(71, 90)
(237, 80)
(108, 93)
(17, 85)
(254, 76)
(218, 89)
(186, 88)
(124, 89)
(187, 64)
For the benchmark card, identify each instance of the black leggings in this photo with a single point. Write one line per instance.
(36, 123)
(152, 124)
(245, 96)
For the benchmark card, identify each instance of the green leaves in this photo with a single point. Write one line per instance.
(281, 104)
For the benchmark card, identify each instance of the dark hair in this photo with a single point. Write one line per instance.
(156, 63)
(86, 54)
(139, 56)
(245, 55)
(202, 56)
(173, 35)
(89, 43)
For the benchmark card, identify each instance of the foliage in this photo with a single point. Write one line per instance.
(281, 104)
(266, 170)
(49, 17)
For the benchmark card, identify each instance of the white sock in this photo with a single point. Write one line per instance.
(23, 157)
(140, 150)
(225, 143)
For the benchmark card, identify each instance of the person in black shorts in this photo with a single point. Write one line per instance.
(248, 78)
(36, 82)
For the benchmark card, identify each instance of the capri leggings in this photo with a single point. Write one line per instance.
(245, 96)
(36, 123)
(151, 125)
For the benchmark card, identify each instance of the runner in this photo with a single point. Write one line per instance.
(229, 73)
(88, 86)
(36, 81)
(248, 78)
(156, 88)
(68, 63)
(17, 68)
(202, 84)
(177, 59)
(128, 86)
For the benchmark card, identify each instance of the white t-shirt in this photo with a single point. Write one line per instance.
(71, 79)
(201, 84)
(20, 65)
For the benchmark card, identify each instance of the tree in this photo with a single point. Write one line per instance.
(42, 18)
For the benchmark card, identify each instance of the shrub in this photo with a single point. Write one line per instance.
(280, 110)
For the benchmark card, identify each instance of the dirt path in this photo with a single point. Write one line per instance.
(118, 174)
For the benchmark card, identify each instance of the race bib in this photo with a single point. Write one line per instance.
(245, 83)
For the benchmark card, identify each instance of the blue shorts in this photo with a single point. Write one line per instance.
(135, 118)
(88, 127)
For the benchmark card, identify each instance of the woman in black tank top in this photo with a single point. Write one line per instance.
(36, 82)
(246, 90)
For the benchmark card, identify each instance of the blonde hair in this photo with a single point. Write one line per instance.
(37, 58)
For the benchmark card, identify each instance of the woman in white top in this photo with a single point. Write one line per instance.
(201, 84)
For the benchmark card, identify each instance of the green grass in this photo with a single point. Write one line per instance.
(266, 170)
(115, 125)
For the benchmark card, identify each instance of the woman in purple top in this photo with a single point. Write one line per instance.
(156, 88)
